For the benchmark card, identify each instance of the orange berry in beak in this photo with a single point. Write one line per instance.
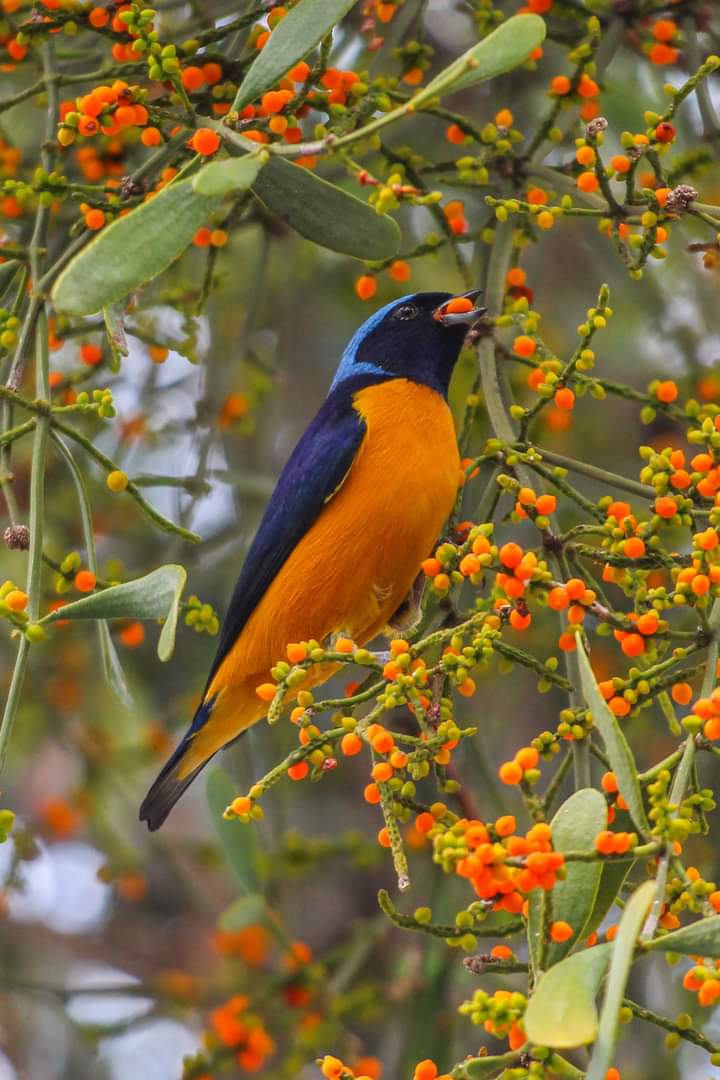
(458, 305)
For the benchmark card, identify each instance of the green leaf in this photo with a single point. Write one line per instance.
(245, 911)
(232, 174)
(611, 879)
(239, 841)
(574, 827)
(502, 50)
(292, 39)
(623, 949)
(115, 333)
(154, 596)
(484, 1067)
(562, 1012)
(701, 938)
(112, 668)
(618, 750)
(132, 250)
(324, 213)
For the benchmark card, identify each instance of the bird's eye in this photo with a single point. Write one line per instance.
(405, 311)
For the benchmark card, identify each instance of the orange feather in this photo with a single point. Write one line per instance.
(355, 566)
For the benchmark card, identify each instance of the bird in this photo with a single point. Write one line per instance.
(359, 505)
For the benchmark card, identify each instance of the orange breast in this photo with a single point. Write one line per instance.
(357, 563)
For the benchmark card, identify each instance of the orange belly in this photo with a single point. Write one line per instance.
(355, 566)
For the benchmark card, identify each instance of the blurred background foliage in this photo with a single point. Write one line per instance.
(131, 922)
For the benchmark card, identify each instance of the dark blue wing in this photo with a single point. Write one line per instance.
(314, 472)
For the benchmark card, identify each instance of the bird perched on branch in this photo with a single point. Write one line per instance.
(359, 505)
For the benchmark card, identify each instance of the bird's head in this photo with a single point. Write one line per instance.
(417, 337)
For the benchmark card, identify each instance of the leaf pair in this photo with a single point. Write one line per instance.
(137, 247)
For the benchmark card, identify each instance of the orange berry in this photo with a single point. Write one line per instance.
(546, 504)
(383, 838)
(344, 645)
(524, 345)
(431, 567)
(609, 783)
(455, 134)
(99, 17)
(300, 72)
(619, 706)
(458, 305)
(16, 600)
(585, 155)
(633, 645)
(91, 354)
(400, 270)
(665, 507)
(85, 581)
(519, 621)
(203, 237)
(661, 53)
(618, 510)
(366, 287)
(425, 1070)
(537, 196)
(587, 87)
(510, 555)
(588, 181)
(299, 771)
(481, 545)
(664, 30)
(510, 772)
(648, 623)
(620, 163)
(505, 826)
(612, 1074)
(383, 742)
(133, 635)
(560, 85)
(515, 276)
(634, 547)
(564, 398)
(205, 141)
(382, 772)
(561, 931)
(95, 219)
(501, 952)
(266, 691)
(151, 136)
(467, 687)
(681, 693)
(558, 598)
(193, 78)
(371, 794)
(296, 653)
(241, 805)
(351, 744)
(666, 391)
(441, 582)
(605, 842)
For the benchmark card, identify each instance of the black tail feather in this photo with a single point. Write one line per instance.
(167, 789)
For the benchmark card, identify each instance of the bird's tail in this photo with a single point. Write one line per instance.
(173, 780)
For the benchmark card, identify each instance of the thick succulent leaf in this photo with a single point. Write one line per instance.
(562, 1012)
(291, 40)
(245, 911)
(239, 842)
(618, 750)
(623, 950)
(112, 668)
(502, 50)
(154, 596)
(701, 938)
(324, 213)
(115, 333)
(574, 827)
(219, 178)
(132, 250)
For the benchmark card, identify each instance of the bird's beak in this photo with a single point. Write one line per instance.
(472, 311)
